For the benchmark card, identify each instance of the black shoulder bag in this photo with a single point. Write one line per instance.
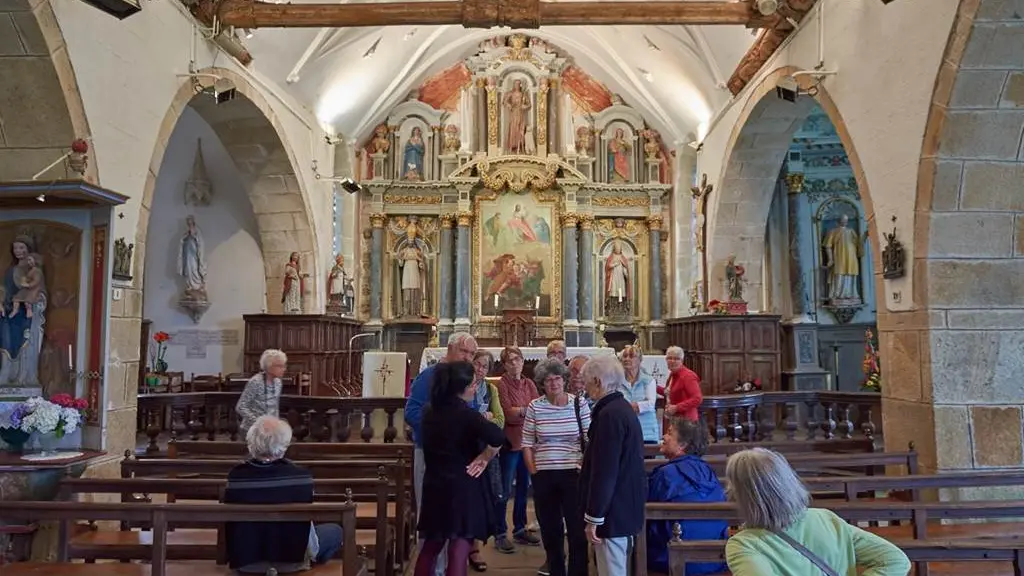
(814, 558)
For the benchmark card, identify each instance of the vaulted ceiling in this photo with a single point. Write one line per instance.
(674, 75)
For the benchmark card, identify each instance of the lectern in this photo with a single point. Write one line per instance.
(518, 326)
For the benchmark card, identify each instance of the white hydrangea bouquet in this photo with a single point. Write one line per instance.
(60, 415)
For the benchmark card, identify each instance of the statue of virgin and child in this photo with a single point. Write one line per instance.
(23, 301)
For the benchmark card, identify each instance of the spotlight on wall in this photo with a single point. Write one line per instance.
(787, 89)
(349, 185)
(768, 7)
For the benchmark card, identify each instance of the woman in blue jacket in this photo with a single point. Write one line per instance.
(685, 478)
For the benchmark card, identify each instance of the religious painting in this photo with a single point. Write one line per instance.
(411, 242)
(841, 250)
(39, 306)
(518, 240)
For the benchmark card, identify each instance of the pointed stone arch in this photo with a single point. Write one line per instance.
(254, 138)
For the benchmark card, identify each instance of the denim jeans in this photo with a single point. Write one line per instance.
(329, 536)
(513, 466)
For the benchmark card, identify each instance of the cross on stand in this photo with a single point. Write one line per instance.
(382, 374)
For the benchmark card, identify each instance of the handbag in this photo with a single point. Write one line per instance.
(814, 558)
(579, 424)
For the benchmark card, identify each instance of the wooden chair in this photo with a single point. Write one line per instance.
(205, 382)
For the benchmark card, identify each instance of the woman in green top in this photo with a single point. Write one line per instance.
(773, 504)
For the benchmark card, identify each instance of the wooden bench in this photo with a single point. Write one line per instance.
(375, 528)
(398, 470)
(859, 464)
(297, 451)
(919, 552)
(917, 514)
(161, 517)
(836, 446)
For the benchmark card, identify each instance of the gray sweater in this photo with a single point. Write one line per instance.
(258, 399)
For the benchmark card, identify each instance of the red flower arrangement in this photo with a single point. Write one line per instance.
(718, 307)
(69, 401)
(159, 364)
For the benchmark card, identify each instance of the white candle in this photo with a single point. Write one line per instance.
(620, 294)
(536, 303)
(71, 358)
(495, 300)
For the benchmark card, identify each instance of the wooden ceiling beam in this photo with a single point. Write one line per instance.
(524, 14)
(768, 42)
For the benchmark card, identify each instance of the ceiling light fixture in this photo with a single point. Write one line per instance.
(646, 74)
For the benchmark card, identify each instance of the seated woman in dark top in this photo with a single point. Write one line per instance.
(458, 443)
(685, 478)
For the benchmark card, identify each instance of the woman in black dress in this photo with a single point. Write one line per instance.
(458, 443)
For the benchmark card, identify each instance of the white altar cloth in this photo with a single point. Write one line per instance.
(653, 365)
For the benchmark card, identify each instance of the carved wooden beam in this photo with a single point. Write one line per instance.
(768, 42)
(525, 14)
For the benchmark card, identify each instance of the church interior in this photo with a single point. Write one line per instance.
(817, 201)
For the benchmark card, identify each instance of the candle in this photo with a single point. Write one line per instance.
(620, 294)
(495, 300)
(536, 303)
(71, 358)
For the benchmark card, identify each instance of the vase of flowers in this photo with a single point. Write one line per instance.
(46, 422)
(157, 355)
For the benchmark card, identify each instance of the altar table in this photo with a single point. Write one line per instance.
(653, 365)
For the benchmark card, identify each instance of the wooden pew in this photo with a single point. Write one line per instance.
(375, 534)
(836, 446)
(398, 470)
(918, 551)
(161, 516)
(917, 513)
(866, 463)
(297, 451)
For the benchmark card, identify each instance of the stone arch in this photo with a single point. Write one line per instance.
(738, 212)
(953, 361)
(41, 109)
(254, 138)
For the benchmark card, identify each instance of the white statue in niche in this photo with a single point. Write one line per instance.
(192, 261)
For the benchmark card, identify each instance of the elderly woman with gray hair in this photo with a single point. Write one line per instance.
(781, 535)
(262, 393)
(553, 442)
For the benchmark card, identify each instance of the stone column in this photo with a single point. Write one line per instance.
(686, 263)
(587, 326)
(463, 269)
(554, 116)
(376, 267)
(445, 322)
(654, 229)
(570, 263)
(801, 246)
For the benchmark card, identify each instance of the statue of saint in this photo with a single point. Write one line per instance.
(412, 158)
(517, 104)
(618, 157)
(340, 291)
(23, 301)
(294, 285)
(843, 250)
(413, 265)
(617, 285)
(192, 261)
(734, 277)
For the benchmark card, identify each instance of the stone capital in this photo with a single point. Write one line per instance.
(587, 221)
(570, 219)
(377, 220)
(795, 182)
(447, 220)
(464, 218)
(654, 222)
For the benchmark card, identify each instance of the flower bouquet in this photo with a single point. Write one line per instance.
(748, 385)
(157, 356)
(718, 307)
(56, 417)
(872, 370)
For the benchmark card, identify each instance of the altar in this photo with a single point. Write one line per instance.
(513, 181)
(653, 365)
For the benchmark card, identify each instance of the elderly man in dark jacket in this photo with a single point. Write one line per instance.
(613, 483)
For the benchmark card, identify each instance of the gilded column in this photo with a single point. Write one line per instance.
(570, 273)
(654, 226)
(376, 266)
(554, 115)
(586, 257)
(463, 269)
(492, 115)
(542, 118)
(447, 287)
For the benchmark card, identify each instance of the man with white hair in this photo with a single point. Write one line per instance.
(556, 349)
(461, 348)
(613, 482)
(268, 478)
(262, 393)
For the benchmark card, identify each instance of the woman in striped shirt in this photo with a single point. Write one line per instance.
(553, 433)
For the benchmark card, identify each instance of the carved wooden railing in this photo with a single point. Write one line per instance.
(763, 416)
(211, 415)
(807, 415)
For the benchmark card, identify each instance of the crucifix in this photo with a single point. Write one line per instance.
(383, 373)
(700, 194)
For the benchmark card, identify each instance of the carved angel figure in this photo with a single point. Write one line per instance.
(380, 143)
(451, 139)
(584, 140)
(652, 147)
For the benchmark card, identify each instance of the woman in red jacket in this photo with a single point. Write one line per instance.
(682, 391)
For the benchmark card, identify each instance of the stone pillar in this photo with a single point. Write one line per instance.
(686, 263)
(656, 324)
(445, 324)
(588, 328)
(570, 263)
(801, 247)
(463, 269)
(376, 268)
(480, 116)
(554, 116)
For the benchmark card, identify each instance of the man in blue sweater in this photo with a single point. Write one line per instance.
(461, 348)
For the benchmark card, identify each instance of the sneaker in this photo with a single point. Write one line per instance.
(544, 570)
(504, 546)
(526, 539)
(533, 527)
